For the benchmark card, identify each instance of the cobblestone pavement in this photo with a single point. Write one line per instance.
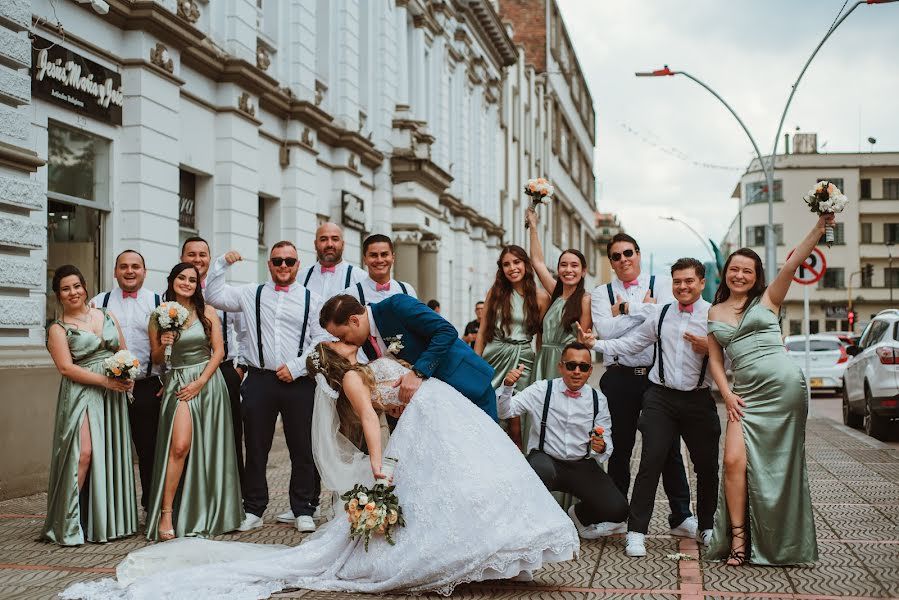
(855, 490)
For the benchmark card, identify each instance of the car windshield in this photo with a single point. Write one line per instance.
(814, 345)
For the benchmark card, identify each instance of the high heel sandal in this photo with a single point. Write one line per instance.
(737, 532)
(166, 534)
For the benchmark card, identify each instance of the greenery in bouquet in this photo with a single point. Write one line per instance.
(372, 511)
(826, 198)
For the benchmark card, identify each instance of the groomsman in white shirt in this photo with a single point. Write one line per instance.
(195, 250)
(131, 305)
(563, 447)
(330, 275)
(280, 322)
(678, 401)
(378, 254)
(617, 308)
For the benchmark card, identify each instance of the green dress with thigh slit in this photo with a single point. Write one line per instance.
(207, 502)
(106, 508)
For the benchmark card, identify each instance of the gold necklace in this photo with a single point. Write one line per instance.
(87, 320)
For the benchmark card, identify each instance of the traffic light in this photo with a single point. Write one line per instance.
(851, 317)
(868, 271)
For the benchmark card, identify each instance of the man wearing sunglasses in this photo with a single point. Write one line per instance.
(617, 308)
(564, 447)
(280, 322)
(678, 401)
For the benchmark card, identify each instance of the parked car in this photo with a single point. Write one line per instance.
(827, 359)
(871, 381)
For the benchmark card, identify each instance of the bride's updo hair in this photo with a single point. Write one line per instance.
(333, 367)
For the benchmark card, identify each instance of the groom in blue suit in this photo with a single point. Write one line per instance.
(407, 329)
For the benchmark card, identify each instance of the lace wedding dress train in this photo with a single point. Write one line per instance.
(474, 510)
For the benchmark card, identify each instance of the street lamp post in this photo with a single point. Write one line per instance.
(696, 233)
(889, 246)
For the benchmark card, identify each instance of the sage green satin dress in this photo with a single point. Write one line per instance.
(780, 523)
(554, 340)
(107, 508)
(208, 500)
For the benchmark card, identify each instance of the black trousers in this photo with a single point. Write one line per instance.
(232, 381)
(624, 392)
(600, 499)
(668, 415)
(264, 396)
(143, 416)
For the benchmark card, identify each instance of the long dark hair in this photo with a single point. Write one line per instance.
(501, 296)
(572, 311)
(197, 299)
(757, 290)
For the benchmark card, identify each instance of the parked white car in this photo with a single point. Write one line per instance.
(827, 359)
(871, 382)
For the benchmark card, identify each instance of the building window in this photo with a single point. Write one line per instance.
(187, 205)
(77, 165)
(833, 279)
(839, 236)
(891, 277)
(891, 189)
(755, 235)
(866, 233)
(831, 324)
(757, 191)
(890, 233)
(795, 327)
(557, 225)
(813, 326)
(865, 191)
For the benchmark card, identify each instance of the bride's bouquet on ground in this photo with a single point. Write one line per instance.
(372, 511)
(123, 366)
(170, 316)
(825, 198)
(539, 190)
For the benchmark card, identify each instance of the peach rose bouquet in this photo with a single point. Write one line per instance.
(170, 316)
(373, 511)
(539, 190)
(122, 365)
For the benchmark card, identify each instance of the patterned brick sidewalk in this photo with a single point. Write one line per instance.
(855, 491)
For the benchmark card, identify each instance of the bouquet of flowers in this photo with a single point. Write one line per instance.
(824, 198)
(170, 316)
(122, 365)
(540, 191)
(373, 510)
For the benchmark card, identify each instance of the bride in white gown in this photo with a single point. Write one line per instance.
(474, 508)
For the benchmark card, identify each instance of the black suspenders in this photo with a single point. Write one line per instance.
(157, 301)
(652, 294)
(225, 332)
(259, 323)
(362, 293)
(308, 276)
(549, 393)
(305, 321)
(346, 283)
(705, 359)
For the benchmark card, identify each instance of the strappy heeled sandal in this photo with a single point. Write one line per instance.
(166, 534)
(737, 532)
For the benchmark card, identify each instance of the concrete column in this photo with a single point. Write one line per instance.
(407, 266)
(428, 270)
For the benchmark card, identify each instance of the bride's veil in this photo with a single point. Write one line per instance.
(340, 463)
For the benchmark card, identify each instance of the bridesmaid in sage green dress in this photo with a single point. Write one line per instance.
(196, 487)
(91, 493)
(512, 315)
(764, 509)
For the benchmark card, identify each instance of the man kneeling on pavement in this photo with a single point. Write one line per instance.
(570, 436)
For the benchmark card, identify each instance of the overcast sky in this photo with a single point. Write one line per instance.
(750, 52)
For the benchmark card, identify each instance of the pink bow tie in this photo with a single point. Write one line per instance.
(282, 288)
(129, 294)
(203, 284)
(328, 269)
(382, 287)
(629, 284)
(687, 308)
(571, 394)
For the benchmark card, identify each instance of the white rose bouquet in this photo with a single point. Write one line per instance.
(540, 191)
(373, 511)
(124, 366)
(170, 316)
(825, 198)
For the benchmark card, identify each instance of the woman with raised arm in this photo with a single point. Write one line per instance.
(569, 303)
(91, 492)
(764, 511)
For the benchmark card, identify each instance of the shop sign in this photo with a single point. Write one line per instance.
(353, 211)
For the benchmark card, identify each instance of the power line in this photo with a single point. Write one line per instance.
(675, 152)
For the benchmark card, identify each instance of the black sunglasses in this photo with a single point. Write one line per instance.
(572, 365)
(616, 256)
(278, 261)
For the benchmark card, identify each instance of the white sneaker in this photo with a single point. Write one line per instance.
(251, 521)
(686, 529)
(581, 528)
(705, 537)
(609, 528)
(288, 517)
(636, 545)
(305, 524)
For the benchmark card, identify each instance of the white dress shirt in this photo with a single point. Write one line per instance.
(133, 315)
(682, 364)
(608, 327)
(568, 424)
(373, 295)
(328, 285)
(281, 316)
(232, 331)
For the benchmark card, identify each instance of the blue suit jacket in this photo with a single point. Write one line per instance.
(432, 345)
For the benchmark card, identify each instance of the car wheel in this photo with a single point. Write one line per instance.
(875, 426)
(849, 418)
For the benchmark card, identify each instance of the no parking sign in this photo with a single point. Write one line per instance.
(812, 269)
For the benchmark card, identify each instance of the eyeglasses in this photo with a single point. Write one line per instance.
(616, 256)
(572, 365)
(278, 261)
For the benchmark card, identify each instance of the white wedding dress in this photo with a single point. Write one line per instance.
(474, 510)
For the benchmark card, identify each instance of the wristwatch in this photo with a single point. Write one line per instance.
(621, 308)
(419, 374)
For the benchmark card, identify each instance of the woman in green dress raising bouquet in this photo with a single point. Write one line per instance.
(196, 488)
(765, 510)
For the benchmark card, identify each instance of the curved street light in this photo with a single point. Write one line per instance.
(705, 242)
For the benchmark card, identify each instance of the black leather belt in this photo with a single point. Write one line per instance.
(635, 371)
(258, 371)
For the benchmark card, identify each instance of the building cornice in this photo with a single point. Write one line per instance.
(488, 26)
(20, 159)
(423, 171)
